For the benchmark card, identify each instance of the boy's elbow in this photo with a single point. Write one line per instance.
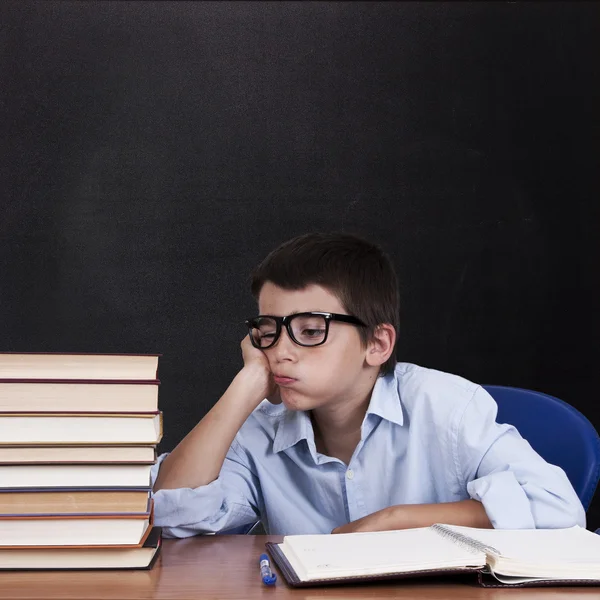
(574, 514)
(513, 502)
(564, 519)
(579, 517)
(556, 512)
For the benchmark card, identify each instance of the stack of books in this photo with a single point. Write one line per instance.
(78, 436)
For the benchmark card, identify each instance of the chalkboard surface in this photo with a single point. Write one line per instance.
(151, 153)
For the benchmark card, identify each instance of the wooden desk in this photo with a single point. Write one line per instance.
(226, 567)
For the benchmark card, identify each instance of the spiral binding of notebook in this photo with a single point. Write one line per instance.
(463, 540)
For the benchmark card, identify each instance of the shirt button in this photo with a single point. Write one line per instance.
(350, 474)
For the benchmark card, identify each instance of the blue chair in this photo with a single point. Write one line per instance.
(557, 431)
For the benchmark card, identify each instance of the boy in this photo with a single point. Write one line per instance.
(321, 431)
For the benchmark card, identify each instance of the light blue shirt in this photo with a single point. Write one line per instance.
(427, 437)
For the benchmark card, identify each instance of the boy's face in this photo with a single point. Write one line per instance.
(310, 378)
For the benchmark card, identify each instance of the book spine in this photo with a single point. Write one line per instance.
(464, 540)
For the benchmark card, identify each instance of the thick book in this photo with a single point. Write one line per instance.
(51, 455)
(83, 558)
(59, 531)
(74, 501)
(56, 365)
(47, 395)
(74, 476)
(80, 429)
(524, 557)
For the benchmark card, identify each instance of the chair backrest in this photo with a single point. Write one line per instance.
(557, 431)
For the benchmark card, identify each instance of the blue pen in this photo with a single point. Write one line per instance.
(268, 577)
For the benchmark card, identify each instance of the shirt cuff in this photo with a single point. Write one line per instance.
(156, 467)
(183, 512)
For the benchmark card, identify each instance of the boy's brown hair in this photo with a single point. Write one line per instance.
(358, 272)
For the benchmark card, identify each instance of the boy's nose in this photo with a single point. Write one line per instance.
(284, 349)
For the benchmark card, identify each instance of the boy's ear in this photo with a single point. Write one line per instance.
(381, 345)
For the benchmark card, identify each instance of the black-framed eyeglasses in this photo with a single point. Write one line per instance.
(305, 329)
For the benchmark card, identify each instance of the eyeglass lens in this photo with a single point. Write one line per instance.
(308, 330)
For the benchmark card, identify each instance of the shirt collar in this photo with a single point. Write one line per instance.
(293, 427)
(385, 399)
(385, 402)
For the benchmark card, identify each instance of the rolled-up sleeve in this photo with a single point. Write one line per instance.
(517, 487)
(230, 501)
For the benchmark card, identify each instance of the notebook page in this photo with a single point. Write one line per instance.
(574, 544)
(541, 553)
(356, 554)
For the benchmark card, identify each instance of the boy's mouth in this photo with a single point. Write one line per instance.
(281, 380)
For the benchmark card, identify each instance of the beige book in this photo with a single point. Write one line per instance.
(99, 396)
(77, 454)
(72, 476)
(61, 531)
(74, 502)
(89, 558)
(77, 366)
(80, 429)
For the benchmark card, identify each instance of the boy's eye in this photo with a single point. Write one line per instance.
(313, 333)
(264, 338)
(266, 331)
(267, 335)
(309, 330)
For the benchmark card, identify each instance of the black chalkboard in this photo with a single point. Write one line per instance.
(153, 152)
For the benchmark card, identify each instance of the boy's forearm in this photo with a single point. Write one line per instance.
(198, 458)
(469, 513)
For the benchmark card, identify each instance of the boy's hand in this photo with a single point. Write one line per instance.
(257, 367)
(212, 437)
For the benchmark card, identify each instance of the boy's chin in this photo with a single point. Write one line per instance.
(292, 400)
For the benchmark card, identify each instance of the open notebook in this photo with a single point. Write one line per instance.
(498, 557)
